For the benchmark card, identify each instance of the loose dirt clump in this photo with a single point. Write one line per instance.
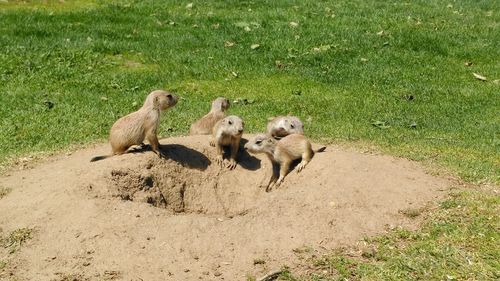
(186, 218)
(154, 187)
(171, 185)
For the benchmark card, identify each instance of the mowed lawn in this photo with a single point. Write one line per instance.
(395, 76)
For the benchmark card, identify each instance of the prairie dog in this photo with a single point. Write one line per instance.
(282, 152)
(282, 126)
(142, 124)
(205, 125)
(227, 132)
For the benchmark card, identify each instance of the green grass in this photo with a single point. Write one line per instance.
(16, 239)
(10, 243)
(387, 74)
(459, 242)
(69, 70)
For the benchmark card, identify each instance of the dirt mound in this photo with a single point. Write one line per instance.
(184, 218)
(181, 186)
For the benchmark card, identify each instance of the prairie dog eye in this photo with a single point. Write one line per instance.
(169, 96)
(230, 122)
(258, 142)
(292, 126)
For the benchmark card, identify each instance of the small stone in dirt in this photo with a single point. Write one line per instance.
(186, 270)
(258, 261)
(206, 273)
(217, 273)
(111, 274)
(50, 258)
(86, 263)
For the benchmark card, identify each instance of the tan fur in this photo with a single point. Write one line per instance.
(282, 152)
(282, 126)
(227, 132)
(205, 125)
(143, 124)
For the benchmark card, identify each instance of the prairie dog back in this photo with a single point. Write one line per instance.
(204, 125)
(293, 147)
(142, 124)
(282, 152)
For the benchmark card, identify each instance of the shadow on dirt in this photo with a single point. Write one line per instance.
(185, 156)
(245, 160)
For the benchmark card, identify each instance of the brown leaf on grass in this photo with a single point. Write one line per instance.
(254, 46)
(479, 76)
(468, 63)
(293, 24)
(228, 44)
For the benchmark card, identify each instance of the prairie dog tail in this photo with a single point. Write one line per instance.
(97, 158)
(321, 149)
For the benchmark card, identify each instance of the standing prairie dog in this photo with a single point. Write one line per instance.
(205, 125)
(282, 152)
(227, 132)
(282, 126)
(143, 124)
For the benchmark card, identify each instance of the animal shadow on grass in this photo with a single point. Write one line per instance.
(185, 156)
(245, 160)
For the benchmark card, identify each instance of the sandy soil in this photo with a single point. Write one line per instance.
(138, 217)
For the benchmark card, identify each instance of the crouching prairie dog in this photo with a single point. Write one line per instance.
(205, 125)
(282, 152)
(143, 124)
(227, 132)
(282, 126)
